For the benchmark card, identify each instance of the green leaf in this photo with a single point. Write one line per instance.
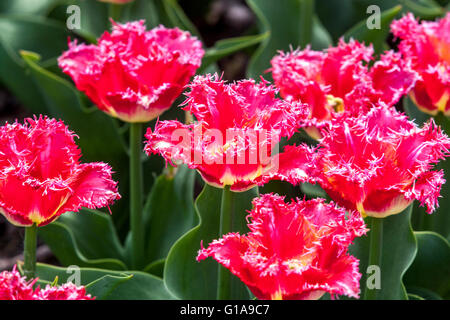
(338, 16)
(321, 39)
(398, 252)
(94, 18)
(223, 48)
(169, 212)
(178, 18)
(166, 12)
(74, 240)
(425, 9)
(106, 285)
(29, 7)
(284, 25)
(412, 296)
(184, 276)
(425, 294)
(156, 268)
(306, 21)
(431, 267)
(27, 33)
(144, 9)
(413, 112)
(46, 37)
(375, 36)
(133, 285)
(313, 190)
(14, 77)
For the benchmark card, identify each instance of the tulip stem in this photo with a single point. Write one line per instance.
(136, 189)
(115, 11)
(29, 252)
(375, 252)
(226, 223)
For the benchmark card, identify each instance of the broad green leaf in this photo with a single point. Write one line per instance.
(313, 190)
(412, 296)
(14, 77)
(141, 286)
(223, 48)
(340, 15)
(88, 226)
(169, 212)
(413, 112)
(86, 238)
(398, 252)
(375, 36)
(156, 268)
(103, 287)
(94, 17)
(27, 33)
(29, 7)
(184, 276)
(178, 18)
(64, 247)
(306, 21)
(285, 25)
(46, 37)
(425, 294)
(156, 12)
(144, 9)
(321, 39)
(431, 267)
(425, 9)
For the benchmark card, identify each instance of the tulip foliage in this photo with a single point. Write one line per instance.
(322, 175)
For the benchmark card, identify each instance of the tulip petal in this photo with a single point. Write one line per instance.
(41, 177)
(231, 143)
(379, 163)
(134, 74)
(294, 250)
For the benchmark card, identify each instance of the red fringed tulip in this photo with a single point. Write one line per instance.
(294, 250)
(15, 287)
(427, 45)
(339, 82)
(231, 143)
(134, 74)
(380, 162)
(41, 176)
(67, 291)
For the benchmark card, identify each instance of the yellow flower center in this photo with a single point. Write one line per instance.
(335, 103)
